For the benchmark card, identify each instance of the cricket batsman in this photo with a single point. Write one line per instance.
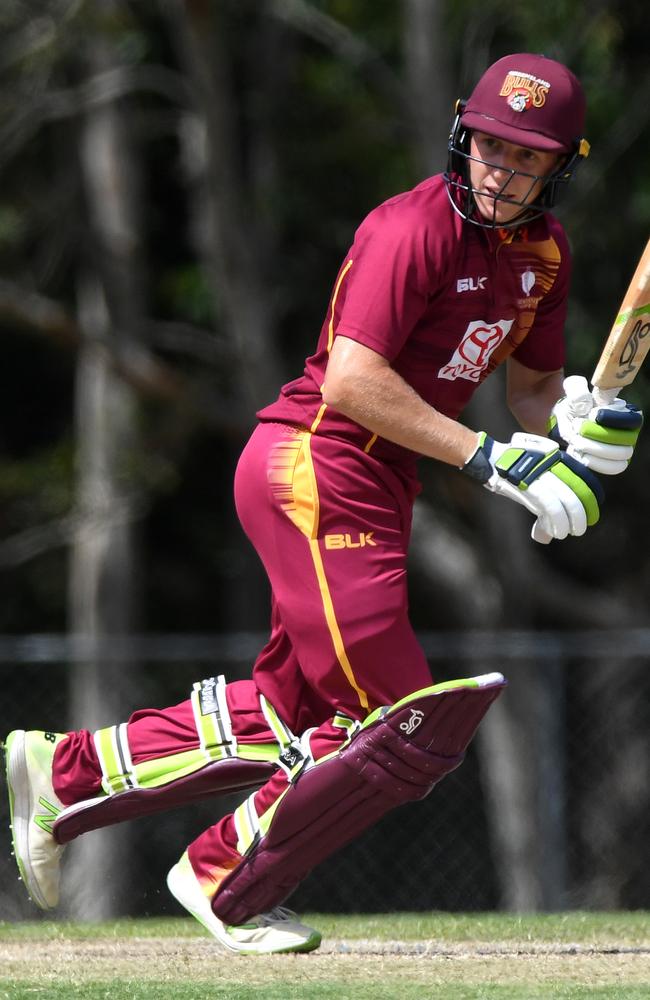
(341, 721)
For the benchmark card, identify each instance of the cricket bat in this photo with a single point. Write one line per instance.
(625, 350)
(626, 346)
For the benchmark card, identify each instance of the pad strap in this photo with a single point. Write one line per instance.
(212, 718)
(112, 746)
(247, 825)
(351, 726)
(295, 754)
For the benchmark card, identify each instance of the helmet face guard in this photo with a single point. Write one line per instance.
(530, 101)
(463, 196)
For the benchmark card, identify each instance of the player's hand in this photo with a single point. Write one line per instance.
(531, 470)
(601, 437)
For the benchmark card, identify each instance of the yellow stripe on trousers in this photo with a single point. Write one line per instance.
(306, 517)
(332, 623)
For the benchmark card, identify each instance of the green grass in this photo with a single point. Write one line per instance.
(631, 929)
(470, 957)
(126, 990)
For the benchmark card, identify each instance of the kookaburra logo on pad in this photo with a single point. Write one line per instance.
(413, 722)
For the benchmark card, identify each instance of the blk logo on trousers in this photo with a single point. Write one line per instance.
(348, 541)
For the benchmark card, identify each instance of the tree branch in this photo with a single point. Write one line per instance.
(345, 44)
(103, 88)
(150, 376)
(26, 545)
(447, 561)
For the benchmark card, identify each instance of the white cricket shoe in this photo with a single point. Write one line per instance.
(33, 808)
(270, 933)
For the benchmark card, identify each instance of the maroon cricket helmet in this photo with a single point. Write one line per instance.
(529, 100)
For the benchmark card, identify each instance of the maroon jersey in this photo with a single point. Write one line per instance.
(443, 301)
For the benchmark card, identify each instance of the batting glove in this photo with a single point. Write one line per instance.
(601, 437)
(531, 470)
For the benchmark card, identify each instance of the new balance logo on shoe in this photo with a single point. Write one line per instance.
(46, 820)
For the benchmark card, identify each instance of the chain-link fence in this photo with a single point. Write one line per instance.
(549, 811)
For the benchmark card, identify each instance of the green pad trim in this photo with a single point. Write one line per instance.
(467, 682)
(161, 770)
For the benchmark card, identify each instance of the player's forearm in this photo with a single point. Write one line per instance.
(531, 402)
(386, 405)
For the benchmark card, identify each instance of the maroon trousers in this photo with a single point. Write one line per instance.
(331, 526)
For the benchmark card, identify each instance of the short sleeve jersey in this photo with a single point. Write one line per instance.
(444, 301)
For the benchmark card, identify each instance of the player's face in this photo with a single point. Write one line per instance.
(500, 168)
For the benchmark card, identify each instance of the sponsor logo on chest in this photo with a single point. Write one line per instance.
(471, 357)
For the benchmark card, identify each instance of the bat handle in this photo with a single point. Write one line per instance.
(604, 397)
(581, 399)
(576, 390)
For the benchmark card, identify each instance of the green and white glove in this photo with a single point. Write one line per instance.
(532, 470)
(601, 436)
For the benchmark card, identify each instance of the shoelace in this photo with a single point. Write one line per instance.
(281, 913)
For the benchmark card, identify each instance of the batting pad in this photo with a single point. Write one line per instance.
(218, 777)
(397, 756)
(219, 764)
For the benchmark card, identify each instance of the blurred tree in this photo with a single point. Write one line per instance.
(111, 308)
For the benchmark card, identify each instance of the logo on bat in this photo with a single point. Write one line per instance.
(630, 349)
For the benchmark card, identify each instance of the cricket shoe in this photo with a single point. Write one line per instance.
(270, 933)
(33, 807)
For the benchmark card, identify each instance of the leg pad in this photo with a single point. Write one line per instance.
(216, 778)
(398, 756)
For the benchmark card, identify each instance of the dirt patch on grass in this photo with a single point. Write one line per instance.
(199, 960)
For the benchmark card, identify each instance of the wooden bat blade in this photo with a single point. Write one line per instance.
(629, 338)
